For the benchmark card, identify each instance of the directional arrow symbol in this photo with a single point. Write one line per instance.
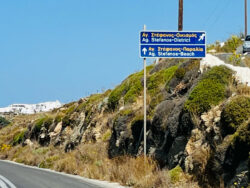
(202, 37)
(144, 51)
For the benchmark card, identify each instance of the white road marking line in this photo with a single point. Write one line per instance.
(11, 185)
(2, 184)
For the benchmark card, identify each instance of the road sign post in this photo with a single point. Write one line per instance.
(169, 44)
(145, 103)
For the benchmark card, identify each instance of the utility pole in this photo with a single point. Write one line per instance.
(180, 20)
(245, 18)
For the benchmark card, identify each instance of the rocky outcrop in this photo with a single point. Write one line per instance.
(189, 125)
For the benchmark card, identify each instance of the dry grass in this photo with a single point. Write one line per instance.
(243, 89)
(247, 61)
(87, 160)
(238, 89)
(91, 161)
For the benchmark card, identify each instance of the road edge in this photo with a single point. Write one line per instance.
(94, 182)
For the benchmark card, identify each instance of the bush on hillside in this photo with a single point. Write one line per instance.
(232, 44)
(159, 79)
(176, 174)
(18, 138)
(38, 125)
(229, 46)
(242, 135)
(57, 119)
(236, 112)
(3, 122)
(93, 99)
(210, 90)
(180, 73)
(129, 89)
(156, 83)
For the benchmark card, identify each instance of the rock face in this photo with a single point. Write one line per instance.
(212, 144)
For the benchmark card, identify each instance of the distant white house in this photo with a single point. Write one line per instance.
(31, 108)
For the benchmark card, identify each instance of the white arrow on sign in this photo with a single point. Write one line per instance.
(144, 51)
(202, 37)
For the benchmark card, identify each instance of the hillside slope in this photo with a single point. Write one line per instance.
(198, 130)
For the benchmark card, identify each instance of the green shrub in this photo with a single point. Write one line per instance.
(232, 44)
(39, 123)
(242, 135)
(3, 122)
(129, 89)
(126, 112)
(44, 121)
(180, 73)
(210, 90)
(236, 112)
(47, 122)
(159, 79)
(93, 99)
(176, 174)
(106, 135)
(66, 121)
(71, 109)
(19, 137)
(235, 59)
(58, 118)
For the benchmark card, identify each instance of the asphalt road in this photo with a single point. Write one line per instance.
(225, 56)
(19, 176)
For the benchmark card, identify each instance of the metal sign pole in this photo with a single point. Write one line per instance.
(145, 104)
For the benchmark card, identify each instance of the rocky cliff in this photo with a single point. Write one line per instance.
(196, 120)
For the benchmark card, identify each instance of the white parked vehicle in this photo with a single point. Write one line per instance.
(246, 44)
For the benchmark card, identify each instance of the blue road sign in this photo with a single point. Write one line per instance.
(173, 51)
(180, 44)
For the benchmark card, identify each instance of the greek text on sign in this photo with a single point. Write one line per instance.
(149, 37)
(173, 51)
(162, 44)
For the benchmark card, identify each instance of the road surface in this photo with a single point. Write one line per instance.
(225, 56)
(14, 175)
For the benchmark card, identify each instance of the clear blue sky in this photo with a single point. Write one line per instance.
(67, 49)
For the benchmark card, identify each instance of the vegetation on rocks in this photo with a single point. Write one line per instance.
(129, 90)
(236, 112)
(3, 122)
(210, 90)
(159, 79)
(176, 174)
(18, 139)
(242, 135)
(106, 136)
(232, 44)
(101, 136)
(39, 123)
(93, 99)
(91, 161)
(229, 46)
